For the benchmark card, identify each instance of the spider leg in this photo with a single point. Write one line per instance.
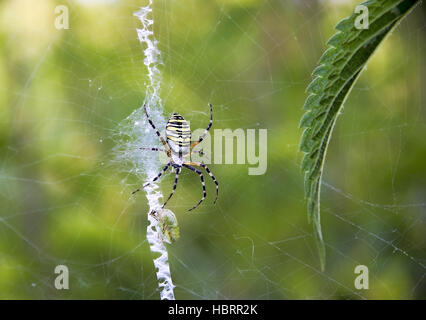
(174, 186)
(207, 129)
(153, 180)
(152, 149)
(202, 183)
(156, 130)
(200, 164)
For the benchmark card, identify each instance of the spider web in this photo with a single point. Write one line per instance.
(66, 200)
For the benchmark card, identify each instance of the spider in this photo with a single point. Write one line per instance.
(177, 146)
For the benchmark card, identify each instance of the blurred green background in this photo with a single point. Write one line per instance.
(63, 200)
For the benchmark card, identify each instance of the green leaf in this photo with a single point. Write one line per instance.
(339, 68)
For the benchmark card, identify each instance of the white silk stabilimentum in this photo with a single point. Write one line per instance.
(154, 234)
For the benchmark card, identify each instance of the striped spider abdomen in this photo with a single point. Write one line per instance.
(178, 134)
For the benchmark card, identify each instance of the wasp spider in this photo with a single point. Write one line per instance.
(177, 146)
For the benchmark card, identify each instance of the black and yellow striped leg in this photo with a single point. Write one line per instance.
(214, 180)
(202, 184)
(200, 164)
(153, 180)
(155, 129)
(207, 129)
(178, 169)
